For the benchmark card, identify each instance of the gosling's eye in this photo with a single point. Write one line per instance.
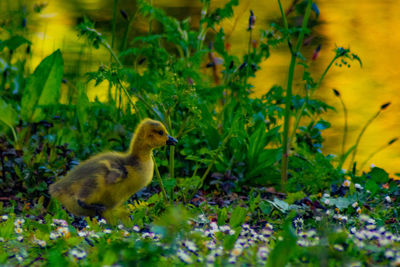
(161, 132)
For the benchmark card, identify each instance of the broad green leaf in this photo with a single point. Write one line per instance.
(372, 187)
(42, 87)
(280, 204)
(55, 258)
(8, 114)
(238, 216)
(265, 207)
(378, 175)
(283, 249)
(341, 202)
(222, 215)
(229, 240)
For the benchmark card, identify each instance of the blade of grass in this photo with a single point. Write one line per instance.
(367, 124)
(159, 179)
(377, 151)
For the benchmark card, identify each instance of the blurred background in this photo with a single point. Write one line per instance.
(368, 28)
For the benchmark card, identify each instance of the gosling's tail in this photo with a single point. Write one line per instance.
(55, 190)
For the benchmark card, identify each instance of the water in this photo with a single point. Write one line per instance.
(368, 27)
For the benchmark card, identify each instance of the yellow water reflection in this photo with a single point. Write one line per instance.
(368, 27)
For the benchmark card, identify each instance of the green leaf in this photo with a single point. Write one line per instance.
(110, 257)
(8, 114)
(238, 216)
(372, 187)
(378, 175)
(280, 205)
(14, 42)
(341, 202)
(42, 87)
(222, 215)
(265, 207)
(7, 227)
(283, 249)
(57, 259)
(229, 240)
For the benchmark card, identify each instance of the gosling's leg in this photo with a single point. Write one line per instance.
(98, 208)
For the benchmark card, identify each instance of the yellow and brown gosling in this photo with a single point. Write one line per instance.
(101, 184)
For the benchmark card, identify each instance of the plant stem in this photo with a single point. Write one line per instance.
(160, 180)
(172, 162)
(353, 156)
(203, 29)
(13, 132)
(172, 148)
(303, 106)
(114, 20)
(129, 97)
(285, 24)
(248, 54)
(288, 97)
(106, 45)
(345, 126)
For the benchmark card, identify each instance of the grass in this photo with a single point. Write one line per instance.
(340, 227)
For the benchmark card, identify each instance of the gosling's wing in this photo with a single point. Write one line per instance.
(115, 170)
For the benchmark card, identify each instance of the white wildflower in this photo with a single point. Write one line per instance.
(125, 233)
(358, 186)
(41, 243)
(346, 183)
(338, 247)
(53, 235)
(78, 254)
(82, 233)
(190, 245)
(19, 222)
(232, 259)
(184, 256)
(237, 251)
(211, 258)
(389, 254)
(263, 252)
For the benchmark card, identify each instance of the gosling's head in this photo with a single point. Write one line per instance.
(154, 134)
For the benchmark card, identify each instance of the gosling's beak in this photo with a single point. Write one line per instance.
(171, 141)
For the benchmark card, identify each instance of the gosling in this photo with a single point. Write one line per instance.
(100, 185)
